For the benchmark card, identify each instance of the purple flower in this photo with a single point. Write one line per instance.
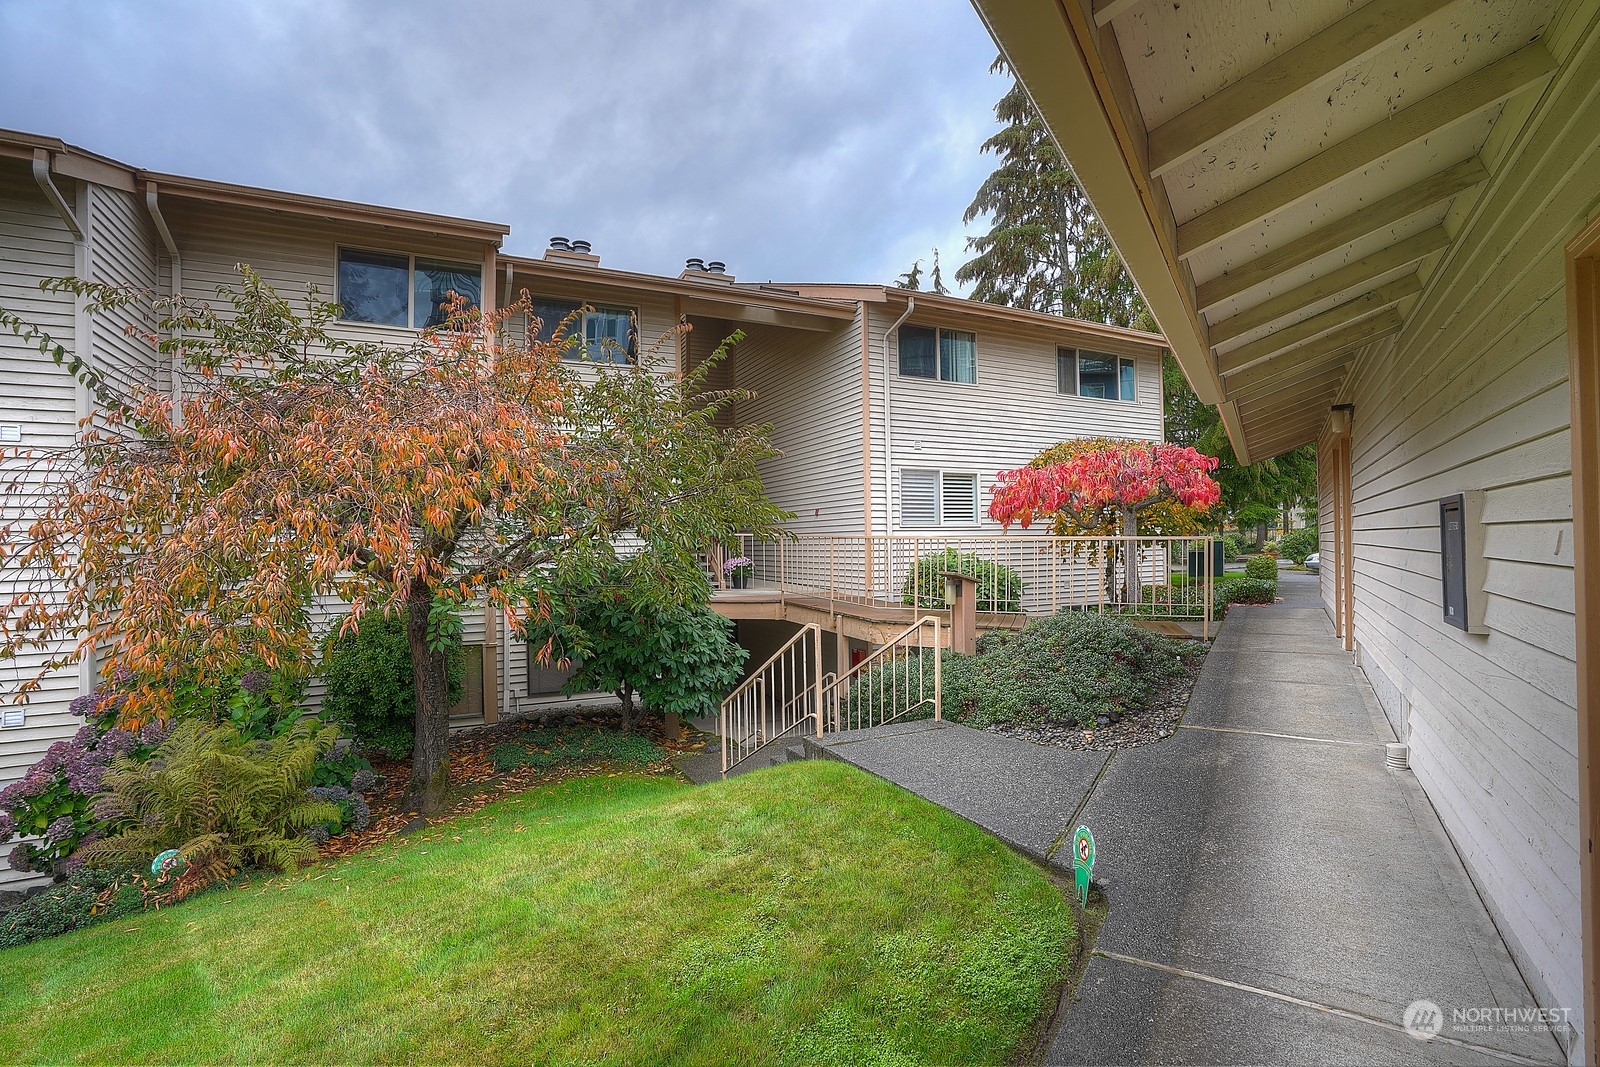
(155, 732)
(59, 830)
(8, 826)
(255, 682)
(363, 781)
(21, 858)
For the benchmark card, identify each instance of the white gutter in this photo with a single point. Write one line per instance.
(888, 421)
(47, 185)
(154, 206)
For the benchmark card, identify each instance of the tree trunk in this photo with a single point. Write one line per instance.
(430, 758)
(1261, 536)
(1130, 528)
(625, 695)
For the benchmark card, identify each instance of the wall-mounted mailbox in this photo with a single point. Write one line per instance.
(1462, 562)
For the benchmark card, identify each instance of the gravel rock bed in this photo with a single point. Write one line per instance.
(1143, 727)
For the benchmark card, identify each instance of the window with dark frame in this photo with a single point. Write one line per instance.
(608, 334)
(1096, 375)
(394, 289)
(938, 354)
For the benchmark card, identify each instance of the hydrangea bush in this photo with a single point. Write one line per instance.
(53, 802)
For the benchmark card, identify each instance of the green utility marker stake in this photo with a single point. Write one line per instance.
(1082, 862)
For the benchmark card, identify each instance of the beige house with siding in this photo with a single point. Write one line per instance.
(1375, 226)
(894, 410)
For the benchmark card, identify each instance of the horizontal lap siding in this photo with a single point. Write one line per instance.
(1473, 396)
(290, 253)
(1013, 411)
(39, 396)
(807, 386)
(123, 253)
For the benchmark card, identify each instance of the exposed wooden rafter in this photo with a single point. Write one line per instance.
(1313, 60)
(1362, 272)
(1329, 374)
(1287, 434)
(1363, 306)
(1457, 101)
(1106, 10)
(1335, 346)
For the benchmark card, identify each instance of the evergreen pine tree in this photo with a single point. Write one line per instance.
(1046, 249)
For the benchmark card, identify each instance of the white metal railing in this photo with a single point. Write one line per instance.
(776, 700)
(1158, 577)
(901, 677)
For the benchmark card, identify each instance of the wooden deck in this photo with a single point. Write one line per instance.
(877, 621)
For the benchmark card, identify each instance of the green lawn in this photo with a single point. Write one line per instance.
(804, 914)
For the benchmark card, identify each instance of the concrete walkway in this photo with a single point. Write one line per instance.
(1277, 895)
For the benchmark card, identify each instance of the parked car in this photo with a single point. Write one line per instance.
(1314, 563)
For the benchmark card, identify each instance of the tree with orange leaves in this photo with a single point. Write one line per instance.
(174, 542)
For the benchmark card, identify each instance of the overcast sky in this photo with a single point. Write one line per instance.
(824, 140)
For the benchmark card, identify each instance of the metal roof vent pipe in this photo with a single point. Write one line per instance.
(581, 247)
(716, 266)
(694, 264)
(1399, 756)
(561, 244)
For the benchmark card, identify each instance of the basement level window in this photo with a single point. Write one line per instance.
(945, 355)
(609, 334)
(938, 498)
(1080, 372)
(394, 289)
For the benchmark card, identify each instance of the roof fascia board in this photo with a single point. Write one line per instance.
(726, 295)
(174, 185)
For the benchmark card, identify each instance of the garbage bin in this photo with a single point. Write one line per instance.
(1197, 561)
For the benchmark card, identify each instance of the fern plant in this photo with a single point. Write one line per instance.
(222, 800)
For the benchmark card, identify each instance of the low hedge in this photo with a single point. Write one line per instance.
(1243, 590)
(1074, 667)
(999, 587)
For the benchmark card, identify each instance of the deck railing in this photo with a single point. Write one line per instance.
(901, 677)
(779, 699)
(1159, 577)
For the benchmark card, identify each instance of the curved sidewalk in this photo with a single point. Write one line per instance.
(1277, 894)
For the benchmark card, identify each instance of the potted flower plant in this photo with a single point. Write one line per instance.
(737, 571)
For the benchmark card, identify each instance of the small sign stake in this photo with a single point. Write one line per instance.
(1082, 862)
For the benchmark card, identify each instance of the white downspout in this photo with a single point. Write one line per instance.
(888, 424)
(152, 203)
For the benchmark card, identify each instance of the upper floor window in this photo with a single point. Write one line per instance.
(1080, 372)
(948, 355)
(607, 332)
(401, 290)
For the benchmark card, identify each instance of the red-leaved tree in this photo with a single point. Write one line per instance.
(1121, 478)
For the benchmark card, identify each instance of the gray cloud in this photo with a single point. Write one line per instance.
(828, 140)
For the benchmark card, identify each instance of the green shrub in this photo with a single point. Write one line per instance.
(1262, 567)
(1245, 590)
(1298, 544)
(370, 686)
(87, 897)
(1072, 668)
(1236, 545)
(545, 747)
(222, 801)
(999, 587)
